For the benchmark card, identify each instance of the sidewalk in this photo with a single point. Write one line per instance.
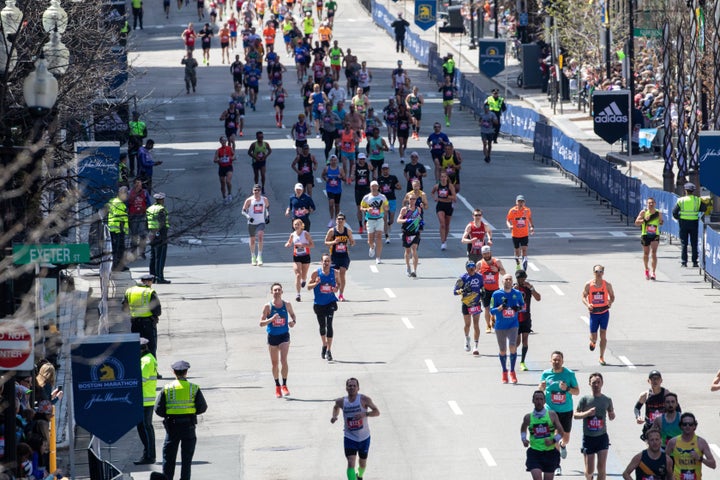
(572, 122)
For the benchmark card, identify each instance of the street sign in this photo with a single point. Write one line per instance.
(58, 254)
(16, 346)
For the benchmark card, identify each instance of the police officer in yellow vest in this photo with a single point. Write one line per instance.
(137, 11)
(145, 309)
(687, 212)
(496, 103)
(179, 404)
(145, 429)
(158, 223)
(138, 132)
(118, 225)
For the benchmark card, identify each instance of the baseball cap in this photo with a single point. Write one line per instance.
(690, 187)
(362, 155)
(470, 264)
(299, 186)
(385, 165)
(374, 182)
(485, 249)
(654, 373)
(520, 198)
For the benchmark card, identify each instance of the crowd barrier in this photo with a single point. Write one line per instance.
(626, 194)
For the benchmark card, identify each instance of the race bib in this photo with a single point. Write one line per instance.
(300, 250)
(450, 170)
(231, 124)
(260, 155)
(374, 212)
(489, 278)
(598, 298)
(299, 212)
(541, 431)
(354, 424)
(362, 181)
(521, 222)
(340, 247)
(595, 424)
(375, 151)
(333, 182)
(558, 398)
(474, 310)
(688, 475)
(651, 229)
(477, 244)
(258, 208)
(278, 321)
(326, 288)
(508, 313)
(305, 169)
(385, 188)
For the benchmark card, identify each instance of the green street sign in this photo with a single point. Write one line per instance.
(59, 254)
(647, 32)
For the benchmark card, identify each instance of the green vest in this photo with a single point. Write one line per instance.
(651, 227)
(125, 28)
(137, 129)
(148, 366)
(138, 299)
(494, 103)
(449, 66)
(540, 429)
(137, 3)
(153, 217)
(117, 216)
(689, 207)
(180, 397)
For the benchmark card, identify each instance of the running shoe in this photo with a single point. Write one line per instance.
(341, 298)
(488, 330)
(523, 367)
(558, 472)
(504, 377)
(413, 274)
(259, 260)
(360, 230)
(229, 198)
(330, 224)
(253, 260)
(387, 239)
(240, 133)
(329, 356)
(323, 352)
(402, 160)
(443, 246)
(278, 392)
(513, 377)
(563, 452)
(285, 390)
(297, 299)
(647, 274)
(476, 352)
(652, 277)
(696, 264)
(602, 361)
(302, 284)
(592, 346)
(447, 123)
(371, 252)
(467, 345)
(378, 261)
(408, 271)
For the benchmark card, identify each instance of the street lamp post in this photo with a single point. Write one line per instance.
(473, 43)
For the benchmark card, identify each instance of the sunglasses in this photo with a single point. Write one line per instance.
(599, 271)
(686, 424)
(477, 215)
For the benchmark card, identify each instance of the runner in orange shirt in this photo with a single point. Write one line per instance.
(260, 6)
(325, 34)
(269, 36)
(519, 221)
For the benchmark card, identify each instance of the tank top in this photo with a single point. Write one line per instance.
(540, 429)
(260, 151)
(280, 97)
(323, 291)
(478, 238)
(443, 192)
(230, 119)
(347, 141)
(301, 130)
(376, 148)
(363, 78)
(414, 103)
(225, 156)
(256, 211)
(278, 326)
(340, 248)
(670, 430)
(491, 280)
(334, 182)
(304, 164)
(524, 312)
(655, 404)
(598, 297)
(362, 177)
(355, 429)
(300, 243)
(651, 228)
(448, 164)
(650, 469)
(359, 103)
(318, 102)
(686, 467)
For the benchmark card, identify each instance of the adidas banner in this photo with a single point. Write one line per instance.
(611, 114)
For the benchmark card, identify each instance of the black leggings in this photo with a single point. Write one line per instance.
(325, 318)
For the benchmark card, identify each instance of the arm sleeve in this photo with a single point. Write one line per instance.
(160, 405)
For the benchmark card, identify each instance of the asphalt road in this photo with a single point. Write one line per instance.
(444, 413)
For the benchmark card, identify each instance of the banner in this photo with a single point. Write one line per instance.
(492, 56)
(425, 13)
(107, 384)
(709, 157)
(519, 122)
(97, 171)
(565, 151)
(611, 113)
(712, 253)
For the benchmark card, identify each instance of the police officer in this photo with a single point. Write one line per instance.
(119, 226)
(138, 132)
(497, 106)
(687, 212)
(145, 429)
(137, 11)
(179, 404)
(144, 306)
(158, 222)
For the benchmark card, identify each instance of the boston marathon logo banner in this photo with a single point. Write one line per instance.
(492, 57)
(107, 384)
(611, 112)
(709, 159)
(425, 13)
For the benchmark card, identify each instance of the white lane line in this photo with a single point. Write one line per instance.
(407, 323)
(173, 169)
(454, 407)
(430, 366)
(618, 234)
(374, 269)
(715, 449)
(487, 457)
(533, 267)
(186, 154)
(169, 117)
(471, 208)
(506, 235)
(626, 361)
(557, 290)
(564, 234)
(585, 319)
(390, 293)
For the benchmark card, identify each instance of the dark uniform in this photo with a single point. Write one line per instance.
(687, 212)
(179, 404)
(144, 306)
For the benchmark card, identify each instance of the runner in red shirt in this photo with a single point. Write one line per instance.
(224, 157)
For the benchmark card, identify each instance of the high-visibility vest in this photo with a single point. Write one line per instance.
(494, 103)
(137, 129)
(153, 217)
(148, 367)
(137, 3)
(689, 207)
(180, 397)
(117, 216)
(138, 299)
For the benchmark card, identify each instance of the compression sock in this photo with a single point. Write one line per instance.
(284, 381)
(524, 353)
(503, 361)
(351, 475)
(277, 382)
(361, 472)
(513, 359)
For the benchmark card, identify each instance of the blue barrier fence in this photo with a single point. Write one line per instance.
(624, 193)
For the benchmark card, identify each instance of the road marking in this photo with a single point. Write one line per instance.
(585, 319)
(186, 154)
(618, 234)
(557, 290)
(626, 361)
(169, 117)
(564, 234)
(390, 293)
(407, 323)
(471, 208)
(487, 457)
(715, 449)
(506, 235)
(430, 366)
(373, 269)
(533, 267)
(454, 407)
(319, 180)
(173, 169)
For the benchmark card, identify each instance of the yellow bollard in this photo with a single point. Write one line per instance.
(53, 443)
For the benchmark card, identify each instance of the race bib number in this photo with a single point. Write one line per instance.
(598, 298)
(489, 278)
(688, 475)
(654, 415)
(260, 155)
(651, 230)
(386, 188)
(375, 212)
(231, 124)
(375, 151)
(595, 424)
(278, 321)
(305, 169)
(403, 125)
(341, 247)
(299, 212)
(258, 208)
(300, 250)
(520, 222)
(558, 398)
(541, 431)
(333, 182)
(326, 288)
(354, 424)
(508, 313)
(450, 170)
(362, 181)
(474, 310)
(477, 244)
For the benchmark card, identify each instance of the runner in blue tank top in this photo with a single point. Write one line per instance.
(324, 286)
(275, 318)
